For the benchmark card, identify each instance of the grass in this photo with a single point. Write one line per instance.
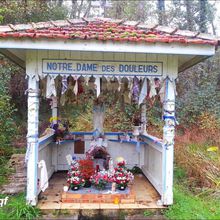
(189, 206)
(16, 208)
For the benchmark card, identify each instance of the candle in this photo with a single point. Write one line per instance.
(113, 187)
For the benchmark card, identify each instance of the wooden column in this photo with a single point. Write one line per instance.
(32, 141)
(168, 142)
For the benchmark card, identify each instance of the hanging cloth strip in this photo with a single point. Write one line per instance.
(153, 91)
(98, 86)
(75, 89)
(51, 88)
(135, 90)
(143, 92)
(162, 91)
(64, 85)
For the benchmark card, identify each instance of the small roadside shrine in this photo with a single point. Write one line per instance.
(141, 60)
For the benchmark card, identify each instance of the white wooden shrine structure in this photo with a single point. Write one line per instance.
(108, 48)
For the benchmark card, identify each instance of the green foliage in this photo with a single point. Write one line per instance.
(17, 208)
(148, 213)
(187, 206)
(198, 92)
(30, 11)
(7, 128)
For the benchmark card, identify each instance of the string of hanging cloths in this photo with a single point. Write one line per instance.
(134, 88)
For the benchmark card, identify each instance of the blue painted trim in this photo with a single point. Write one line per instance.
(67, 141)
(124, 141)
(152, 139)
(91, 133)
(45, 140)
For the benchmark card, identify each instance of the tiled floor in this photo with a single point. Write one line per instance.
(146, 196)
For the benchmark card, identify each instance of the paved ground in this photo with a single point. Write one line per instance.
(146, 197)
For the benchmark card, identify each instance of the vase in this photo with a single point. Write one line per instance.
(87, 184)
(136, 130)
(74, 188)
(122, 188)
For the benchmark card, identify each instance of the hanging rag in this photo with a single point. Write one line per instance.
(43, 84)
(130, 85)
(43, 175)
(98, 86)
(135, 89)
(162, 91)
(64, 85)
(51, 88)
(119, 83)
(75, 89)
(153, 91)
(143, 92)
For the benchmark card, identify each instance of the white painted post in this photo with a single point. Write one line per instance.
(54, 109)
(168, 142)
(32, 141)
(144, 118)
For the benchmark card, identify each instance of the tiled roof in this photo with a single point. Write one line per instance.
(105, 30)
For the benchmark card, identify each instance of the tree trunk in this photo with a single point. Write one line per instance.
(118, 10)
(161, 12)
(203, 16)
(60, 3)
(141, 11)
(189, 16)
(88, 9)
(80, 8)
(74, 9)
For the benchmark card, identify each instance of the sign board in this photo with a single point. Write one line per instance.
(114, 68)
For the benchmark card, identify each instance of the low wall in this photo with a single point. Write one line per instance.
(148, 157)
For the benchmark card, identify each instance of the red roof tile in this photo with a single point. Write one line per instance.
(105, 29)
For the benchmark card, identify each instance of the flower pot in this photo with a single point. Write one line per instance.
(74, 188)
(87, 184)
(122, 187)
(136, 130)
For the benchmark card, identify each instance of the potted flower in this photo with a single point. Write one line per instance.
(122, 176)
(136, 124)
(86, 168)
(75, 179)
(100, 179)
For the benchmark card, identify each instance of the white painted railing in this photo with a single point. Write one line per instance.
(45, 153)
(152, 167)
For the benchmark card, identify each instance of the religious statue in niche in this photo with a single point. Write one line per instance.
(98, 151)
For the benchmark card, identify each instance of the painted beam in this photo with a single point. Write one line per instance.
(13, 58)
(191, 62)
(109, 46)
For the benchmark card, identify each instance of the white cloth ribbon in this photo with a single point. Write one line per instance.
(130, 86)
(51, 87)
(162, 91)
(143, 92)
(98, 86)
(75, 89)
(43, 175)
(153, 91)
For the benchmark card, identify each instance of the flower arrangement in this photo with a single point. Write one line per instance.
(87, 170)
(75, 179)
(100, 179)
(122, 176)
